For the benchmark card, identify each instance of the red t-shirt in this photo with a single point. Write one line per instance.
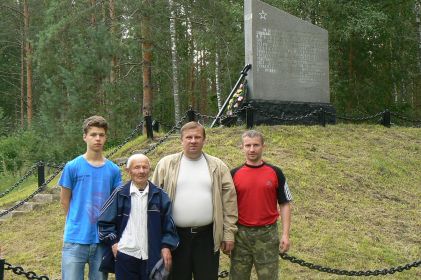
(259, 189)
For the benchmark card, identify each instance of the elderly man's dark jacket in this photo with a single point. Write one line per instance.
(115, 215)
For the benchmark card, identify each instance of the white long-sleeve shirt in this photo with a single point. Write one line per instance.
(134, 240)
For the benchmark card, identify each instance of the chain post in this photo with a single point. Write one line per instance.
(41, 174)
(322, 117)
(386, 118)
(191, 115)
(2, 262)
(149, 130)
(249, 118)
(155, 125)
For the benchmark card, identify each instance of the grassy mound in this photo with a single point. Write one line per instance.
(356, 190)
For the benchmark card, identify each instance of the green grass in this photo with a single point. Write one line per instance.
(24, 190)
(356, 190)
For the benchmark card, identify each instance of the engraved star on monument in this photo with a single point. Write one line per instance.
(263, 15)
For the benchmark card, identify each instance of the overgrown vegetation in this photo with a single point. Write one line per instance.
(356, 195)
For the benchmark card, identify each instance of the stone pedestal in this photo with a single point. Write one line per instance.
(280, 112)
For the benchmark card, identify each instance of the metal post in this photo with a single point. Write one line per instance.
(249, 118)
(322, 117)
(191, 115)
(41, 174)
(386, 118)
(149, 131)
(2, 261)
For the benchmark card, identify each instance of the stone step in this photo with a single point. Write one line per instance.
(43, 198)
(17, 213)
(5, 217)
(30, 206)
(55, 191)
(50, 195)
(12, 214)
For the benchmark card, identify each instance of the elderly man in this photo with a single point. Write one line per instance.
(136, 223)
(205, 205)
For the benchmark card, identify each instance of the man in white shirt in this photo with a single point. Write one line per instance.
(136, 223)
(204, 205)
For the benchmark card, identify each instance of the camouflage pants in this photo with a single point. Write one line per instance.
(258, 246)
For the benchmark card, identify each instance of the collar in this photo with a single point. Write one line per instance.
(211, 163)
(134, 190)
(255, 166)
(202, 156)
(151, 188)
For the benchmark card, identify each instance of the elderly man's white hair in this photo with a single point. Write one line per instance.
(135, 157)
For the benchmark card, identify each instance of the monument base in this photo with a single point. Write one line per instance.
(281, 112)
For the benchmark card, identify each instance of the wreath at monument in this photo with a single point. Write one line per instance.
(237, 99)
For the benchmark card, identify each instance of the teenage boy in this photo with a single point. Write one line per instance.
(86, 183)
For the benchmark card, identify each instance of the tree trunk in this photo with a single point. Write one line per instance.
(28, 56)
(217, 81)
(203, 86)
(191, 81)
(174, 64)
(192, 84)
(93, 16)
(351, 85)
(22, 82)
(418, 22)
(147, 63)
(416, 99)
(113, 34)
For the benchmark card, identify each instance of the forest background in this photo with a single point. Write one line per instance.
(62, 61)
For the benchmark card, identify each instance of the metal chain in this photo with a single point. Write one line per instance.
(40, 189)
(287, 119)
(237, 112)
(21, 180)
(356, 119)
(376, 272)
(404, 118)
(202, 116)
(18, 270)
(223, 274)
(53, 165)
(164, 124)
(134, 132)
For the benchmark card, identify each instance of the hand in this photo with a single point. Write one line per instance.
(166, 256)
(114, 248)
(227, 246)
(284, 244)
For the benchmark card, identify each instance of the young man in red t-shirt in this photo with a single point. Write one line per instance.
(260, 188)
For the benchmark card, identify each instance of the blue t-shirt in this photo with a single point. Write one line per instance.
(91, 186)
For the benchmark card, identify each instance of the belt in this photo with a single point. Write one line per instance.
(194, 230)
(257, 227)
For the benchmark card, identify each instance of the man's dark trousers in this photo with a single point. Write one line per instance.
(130, 268)
(195, 255)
